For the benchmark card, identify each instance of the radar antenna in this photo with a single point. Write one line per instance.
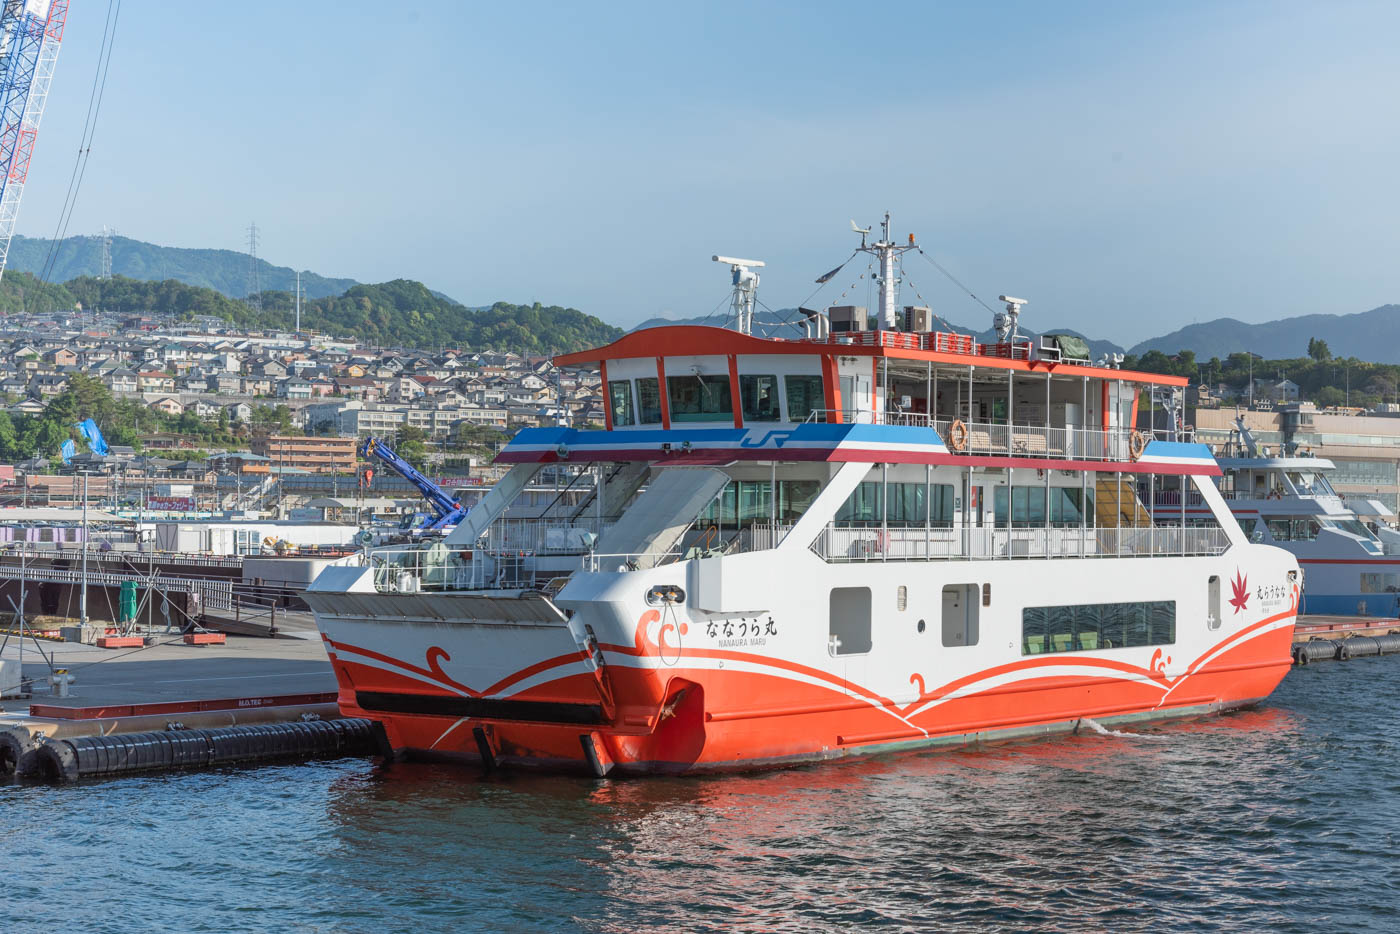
(1005, 321)
(745, 290)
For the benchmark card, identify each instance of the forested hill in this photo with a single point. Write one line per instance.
(401, 313)
(406, 313)
(225, 271)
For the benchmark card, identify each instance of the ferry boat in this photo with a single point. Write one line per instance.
(844, 542)
(1347, 547)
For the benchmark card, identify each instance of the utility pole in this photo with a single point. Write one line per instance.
(298, 324)
(82, 597)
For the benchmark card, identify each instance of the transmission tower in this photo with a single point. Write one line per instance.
(254, 298)
(30, 34)
(107, 251)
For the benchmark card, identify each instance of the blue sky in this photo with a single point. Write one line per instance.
(1127, 167)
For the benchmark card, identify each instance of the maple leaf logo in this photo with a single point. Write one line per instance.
(1240, 585)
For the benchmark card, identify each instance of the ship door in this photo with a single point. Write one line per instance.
(849, 634)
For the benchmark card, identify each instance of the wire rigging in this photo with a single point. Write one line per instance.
(953, 279)
(75, 179)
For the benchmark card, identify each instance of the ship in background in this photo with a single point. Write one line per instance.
(1347, 546)
(846, 541)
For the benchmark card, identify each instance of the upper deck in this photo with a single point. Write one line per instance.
(707, 393)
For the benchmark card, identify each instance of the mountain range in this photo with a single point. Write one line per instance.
(223, 271)
(1371, 335)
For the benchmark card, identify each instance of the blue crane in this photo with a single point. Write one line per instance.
(447, 511)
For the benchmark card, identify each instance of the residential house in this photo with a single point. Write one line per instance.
(155, 381)
(294, 387)
(168, 405)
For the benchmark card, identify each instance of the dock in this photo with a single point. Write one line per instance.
(1322, 637)
(172, 705)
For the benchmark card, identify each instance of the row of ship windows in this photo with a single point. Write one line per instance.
(701, 398)
(1081, 627)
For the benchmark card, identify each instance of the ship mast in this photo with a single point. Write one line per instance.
(885, 250)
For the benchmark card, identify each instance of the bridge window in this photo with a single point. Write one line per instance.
(759, 397)
(620, 392)
(804, 396)
(699, 398)
(648, 401)
(1090, 626)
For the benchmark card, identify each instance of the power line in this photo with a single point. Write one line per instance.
(953, 279)
(75, 179)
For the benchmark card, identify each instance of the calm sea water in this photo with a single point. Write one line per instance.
(1285, 817)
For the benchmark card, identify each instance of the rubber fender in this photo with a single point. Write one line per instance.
(15, 748)
(1388, 643)
(1359, 647)
(1300, 657)
(54, 760)
(1316, 649)
(67, 760)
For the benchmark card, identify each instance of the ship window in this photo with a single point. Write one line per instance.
(1213, 596)
(648, 401)
(904, 505)
(620, 392)
(1086, 627)
(1027, 507)
(804, 396)
(849, 632)
(759, 398)
(1380, 583)
(699, 398)
(959, 615)
(1288, 529)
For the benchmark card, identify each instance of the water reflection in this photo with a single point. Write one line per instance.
(1090, 831)
(1281, 817)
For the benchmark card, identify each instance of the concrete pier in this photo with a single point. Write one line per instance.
(261, 681)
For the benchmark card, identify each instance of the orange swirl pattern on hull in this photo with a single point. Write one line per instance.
(723, 710)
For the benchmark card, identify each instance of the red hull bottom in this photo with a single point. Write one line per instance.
(714, 719)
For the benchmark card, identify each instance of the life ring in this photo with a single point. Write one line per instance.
(957, 435)
(1137, 443)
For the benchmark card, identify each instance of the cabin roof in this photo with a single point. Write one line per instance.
(699, 340)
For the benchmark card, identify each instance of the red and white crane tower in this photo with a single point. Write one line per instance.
(30, 34)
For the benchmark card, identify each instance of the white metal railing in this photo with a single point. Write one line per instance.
(1015, 440)
(544, 536)
(838, 544)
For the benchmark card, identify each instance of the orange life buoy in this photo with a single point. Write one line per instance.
(957, 435)
(1137, 443)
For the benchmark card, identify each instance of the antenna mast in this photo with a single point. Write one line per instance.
(254, 298)
(30, 34)
(885, 250)
(745, 289)
(298, 324)
(107, 251)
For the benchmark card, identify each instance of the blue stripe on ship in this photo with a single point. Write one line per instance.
(807, 435)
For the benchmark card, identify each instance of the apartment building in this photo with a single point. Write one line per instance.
(316, 454)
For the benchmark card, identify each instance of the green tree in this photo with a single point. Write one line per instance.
(1318, 350)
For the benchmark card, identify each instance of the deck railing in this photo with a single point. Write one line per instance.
(839, 544)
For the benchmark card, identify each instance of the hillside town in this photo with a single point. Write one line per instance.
(295, 402)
